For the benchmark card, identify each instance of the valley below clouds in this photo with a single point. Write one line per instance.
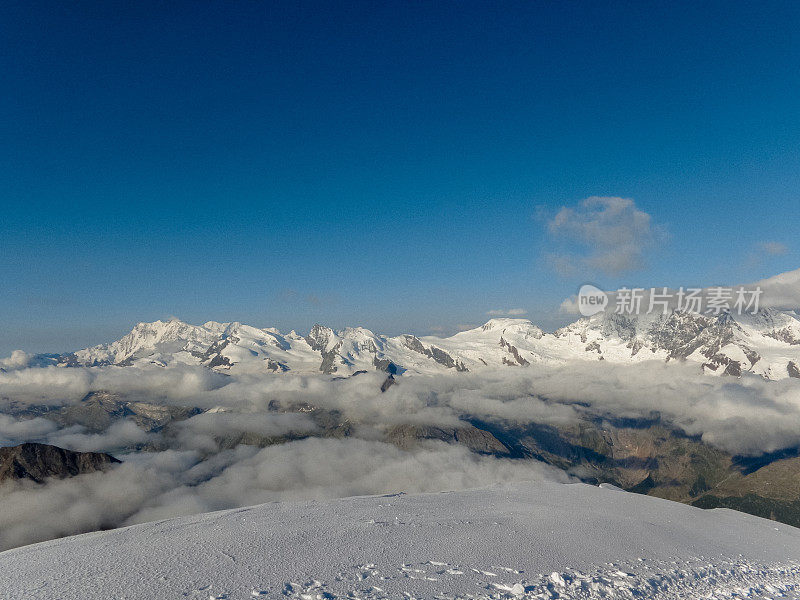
(192, 440)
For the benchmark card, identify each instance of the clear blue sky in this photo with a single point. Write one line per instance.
(386, 164)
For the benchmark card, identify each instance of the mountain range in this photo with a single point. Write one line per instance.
(766, 343)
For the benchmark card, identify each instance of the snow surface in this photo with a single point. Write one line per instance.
(521, 540)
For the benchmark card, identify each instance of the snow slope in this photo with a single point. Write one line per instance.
(523, 540)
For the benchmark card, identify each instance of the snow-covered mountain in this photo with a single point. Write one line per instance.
(766, 343)
(521, 540)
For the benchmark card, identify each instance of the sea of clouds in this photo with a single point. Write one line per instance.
(190, 473)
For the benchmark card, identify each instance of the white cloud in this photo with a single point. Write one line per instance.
(16, 431)
(747, 415)
(18, 360)
(159, 485)
(203, 432)
(773, 248)
(606, 234)
(569, 306)
(780, 291)
(763, 251)
(507, 312)
(121, 434)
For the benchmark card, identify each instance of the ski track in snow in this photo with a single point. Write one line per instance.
(696, 578)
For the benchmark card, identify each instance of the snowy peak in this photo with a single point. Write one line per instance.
(146, 337)
(769, 322)
(321, 339)
(724, 343)
(502, 323)
(510, 326)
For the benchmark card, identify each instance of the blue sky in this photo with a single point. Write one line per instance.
(395, 165)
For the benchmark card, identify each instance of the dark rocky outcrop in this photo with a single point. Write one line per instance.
(793, 369)
(98, 410)
(319, 337)
(386, 365)
(38, 462)
(276, 367)
(408, 436)
(514, 352)
(388, 382)
(412, 342)
(329, 358)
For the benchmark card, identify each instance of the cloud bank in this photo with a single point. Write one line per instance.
(773, 248)
(606, 234)
(700, 404)
(212, 461)
(507, 312)
(160, 485)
